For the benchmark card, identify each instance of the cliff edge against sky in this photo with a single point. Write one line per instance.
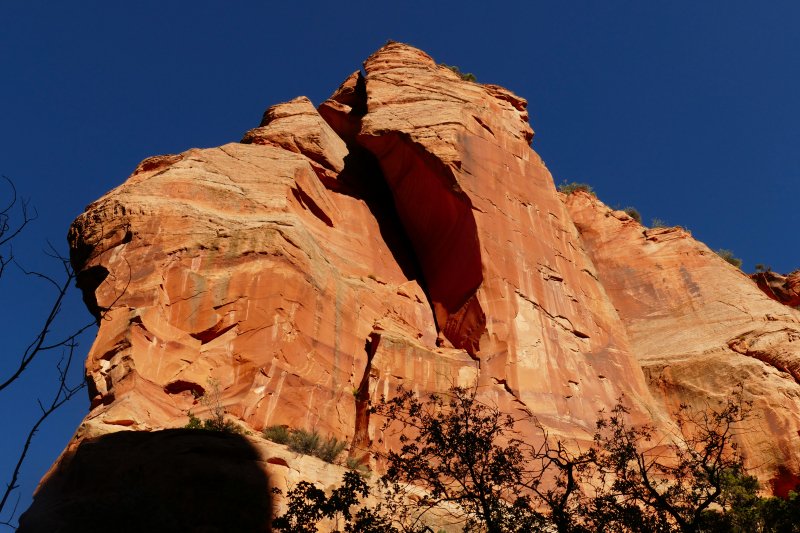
(404, 233)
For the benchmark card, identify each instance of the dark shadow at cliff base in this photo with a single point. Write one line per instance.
(172, 480)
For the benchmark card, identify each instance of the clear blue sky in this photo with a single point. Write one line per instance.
(688, 111)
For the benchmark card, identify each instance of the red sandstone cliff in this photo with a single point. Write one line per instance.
(281, 266)
(700, 327)
(405, 233)
(781, 288)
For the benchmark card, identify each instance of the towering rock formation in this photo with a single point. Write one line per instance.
(280, 266)
(403, 233)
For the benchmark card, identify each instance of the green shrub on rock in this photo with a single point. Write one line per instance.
(569, 188)
(306, 442)
(727, 255)
(464, 76)
(212, 399)
(633, 213)
(277, 434)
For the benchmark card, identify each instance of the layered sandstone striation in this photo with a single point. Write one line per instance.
(700, 328)
(404, 233)
(236, 263)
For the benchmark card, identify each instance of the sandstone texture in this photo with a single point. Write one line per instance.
(281, 267)
(700, 327)
(403, 233)
(508, 279)
(783, 288)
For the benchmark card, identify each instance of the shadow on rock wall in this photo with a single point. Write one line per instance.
(172, 480)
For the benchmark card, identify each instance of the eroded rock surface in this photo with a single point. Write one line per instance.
(404, 233)
(700, 328)
(781, 288)
(503, 264)
(237, 263)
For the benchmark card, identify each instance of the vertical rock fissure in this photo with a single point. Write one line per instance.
(363, 177)
(438, 218)
(362, 395)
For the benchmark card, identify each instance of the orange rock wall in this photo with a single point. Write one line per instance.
(405, 233)
(236, 263)
(700, 328)
(504, 267)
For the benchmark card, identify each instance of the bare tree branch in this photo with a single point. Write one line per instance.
(63, 394)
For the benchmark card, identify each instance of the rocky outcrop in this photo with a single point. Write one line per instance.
(700, 328)
(279, 267)
(404, 233)
(783, 288)
(236, 263)
(505, 271)
(297, 127)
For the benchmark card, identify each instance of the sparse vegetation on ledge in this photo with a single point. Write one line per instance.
(466, 77)
(212, 399)
(312, 443)
(569, 188)
(633, 213)
(727, 255)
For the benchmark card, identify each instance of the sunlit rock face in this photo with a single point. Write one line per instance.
(505, 270)
(701, 327)
(402, 233)
(783, 288)
(411, 208)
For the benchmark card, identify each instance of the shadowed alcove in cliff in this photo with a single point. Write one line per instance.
(438, 219)
(362, 176)
(172, 480)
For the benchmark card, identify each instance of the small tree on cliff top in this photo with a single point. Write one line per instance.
(212, 399)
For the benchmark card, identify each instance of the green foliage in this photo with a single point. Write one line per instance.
(727, 255)
(278, 434)
(194, 422)
(745, 512)
(762, 268)
(466, 77)
(657, 223)
(306, 442)
(212, 399)
(634, 214)
(569, 188)
(329, 449)
(474, 466)
(372, 276)
(356, 464)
